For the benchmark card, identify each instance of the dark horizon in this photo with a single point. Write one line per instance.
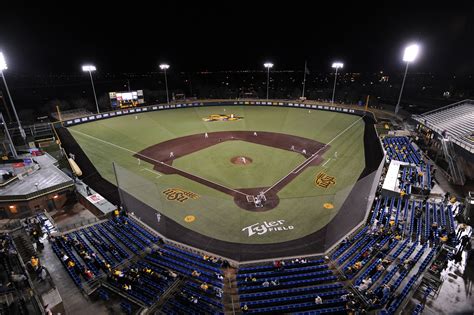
(195, 37)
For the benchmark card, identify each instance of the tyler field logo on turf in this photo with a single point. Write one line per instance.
(271, 226)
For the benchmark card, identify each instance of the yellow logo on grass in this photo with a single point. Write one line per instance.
(328, 205)
(189, 218)
(180, 195)
(214, 117)
(323, 180)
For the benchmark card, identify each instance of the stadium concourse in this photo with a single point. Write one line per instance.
(394, 262)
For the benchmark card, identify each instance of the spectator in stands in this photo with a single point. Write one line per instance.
(219, 276)
(245, 308)
(42, 274)
(275, 282)
(386, 291)
(318, 300)
(35, 263)
(218, 292)
(64, 257)
(357, 266)
(278, 264)
(366, 283)
(88, 274)
(266, 284)
(195, 273)
(225, 264)
(172, 274)
(204, 286)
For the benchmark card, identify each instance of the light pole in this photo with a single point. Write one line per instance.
(3, 66)
(268, 65)
(409, 55)
(165, 67)
(335, 65)
(7, 133)
(90, 68)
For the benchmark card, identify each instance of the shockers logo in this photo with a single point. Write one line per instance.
(180, 195)
(271, 226)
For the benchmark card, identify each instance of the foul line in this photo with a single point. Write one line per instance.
(149, 158)
(312, 157)
(152, 171)
(327, 162)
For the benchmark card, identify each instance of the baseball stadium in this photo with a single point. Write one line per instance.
(239, 206)
(249, 181)
(235, 205)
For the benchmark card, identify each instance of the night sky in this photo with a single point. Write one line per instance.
(45, 38)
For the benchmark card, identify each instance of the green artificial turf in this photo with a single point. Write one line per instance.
(216, 215)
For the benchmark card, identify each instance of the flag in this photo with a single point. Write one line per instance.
(306, 70)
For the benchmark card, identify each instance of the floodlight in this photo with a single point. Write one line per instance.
(337, 65)
(3, 63)
(268, 65)
(88, 68)
(164, 66)
(411, 52)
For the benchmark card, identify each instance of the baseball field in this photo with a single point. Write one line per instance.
(205, 175)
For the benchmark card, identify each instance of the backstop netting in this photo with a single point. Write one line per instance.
(190, 213)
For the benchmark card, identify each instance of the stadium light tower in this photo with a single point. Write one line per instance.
(268, 65)
(335, 65)
(165, 67)
(90, 68)
(3, 66)
(410, 54)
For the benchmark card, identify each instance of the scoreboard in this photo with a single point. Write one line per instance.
(126, 99)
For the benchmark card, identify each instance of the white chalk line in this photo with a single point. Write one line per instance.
(152, 171)
(312, 157)
(175, 168)
(327, 162)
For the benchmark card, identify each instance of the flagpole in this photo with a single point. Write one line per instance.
(304, 79)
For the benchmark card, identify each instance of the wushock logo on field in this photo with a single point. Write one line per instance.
(323, 180)
(180, 195)
(262, 228)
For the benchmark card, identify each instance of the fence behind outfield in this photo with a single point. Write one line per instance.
(354, 110)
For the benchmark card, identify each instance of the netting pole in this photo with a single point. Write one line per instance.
(122, 204)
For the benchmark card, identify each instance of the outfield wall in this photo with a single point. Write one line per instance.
(158, 107)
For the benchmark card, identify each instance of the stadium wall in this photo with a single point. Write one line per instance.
(305, 105)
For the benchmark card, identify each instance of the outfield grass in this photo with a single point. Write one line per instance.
(301, 202)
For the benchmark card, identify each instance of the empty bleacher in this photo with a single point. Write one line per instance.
(456, 121)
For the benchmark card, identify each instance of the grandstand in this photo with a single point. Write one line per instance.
(455, 121)
(449, 130)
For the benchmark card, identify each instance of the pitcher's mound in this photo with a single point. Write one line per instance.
(241, 160)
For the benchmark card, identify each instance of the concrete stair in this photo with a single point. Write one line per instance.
(231, 296)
